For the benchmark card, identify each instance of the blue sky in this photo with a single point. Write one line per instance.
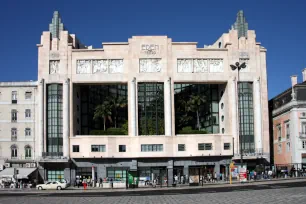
(280, 26)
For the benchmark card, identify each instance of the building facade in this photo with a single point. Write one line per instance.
(288, 123)
(17, 124)
(150, 108)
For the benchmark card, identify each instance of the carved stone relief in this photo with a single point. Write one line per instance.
(246, 60)
(83, 67)
(150, 65)
(216, 65)
(184, 65)
(115, 66)
(54, 66)
(200, 65)
(99, 65)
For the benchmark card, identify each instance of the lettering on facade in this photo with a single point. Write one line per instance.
(150, 49)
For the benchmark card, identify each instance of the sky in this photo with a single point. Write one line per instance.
(280, 26)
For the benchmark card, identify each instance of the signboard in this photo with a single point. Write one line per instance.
(243, 174)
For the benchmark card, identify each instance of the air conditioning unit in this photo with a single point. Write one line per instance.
(33, 165)
(28, 165)
(1, 167)
(7, 165)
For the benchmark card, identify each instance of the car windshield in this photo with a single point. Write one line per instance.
(48, 183)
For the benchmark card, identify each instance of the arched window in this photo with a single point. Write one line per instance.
(14, 151)
(28, 152)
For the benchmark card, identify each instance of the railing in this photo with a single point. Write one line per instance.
(14, 138)
(18, 158)
(252, 152)
(51, 155)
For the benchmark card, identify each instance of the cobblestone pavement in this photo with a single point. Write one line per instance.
(282, 195)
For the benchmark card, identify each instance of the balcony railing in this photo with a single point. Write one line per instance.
(258, 152)
(14, 138)
(52, 155)
(302, 135)
(14, 158)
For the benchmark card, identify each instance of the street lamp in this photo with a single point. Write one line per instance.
(239, 66)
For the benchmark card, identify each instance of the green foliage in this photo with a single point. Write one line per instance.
(189, 130)
(151, 127)
(109, 131)
(125, 127)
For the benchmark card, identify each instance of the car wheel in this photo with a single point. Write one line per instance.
(59, 188)
(40, 188)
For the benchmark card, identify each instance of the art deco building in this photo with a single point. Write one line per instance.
(150, 107)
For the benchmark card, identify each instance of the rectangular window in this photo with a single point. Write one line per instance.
(28, 132)
(75, 148)
(122, 148)
(181, 147)
(227, 146)
(14, 152)
(287, 130)
(303, 144)
(55, 175)
(151, 108)
(303, 126)
(205, 146)
(14, 134)
(14, 115)
(28, 95)
(288, 147)
(98, 148)
(14, 96)
(28, 113)
(152, 148)
(279, 148)
(279, 133)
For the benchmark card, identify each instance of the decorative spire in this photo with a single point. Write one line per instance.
(56, 26)
(241, 25)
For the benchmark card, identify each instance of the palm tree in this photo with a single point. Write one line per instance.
(194, 104)
(117, 102)
(104, 111)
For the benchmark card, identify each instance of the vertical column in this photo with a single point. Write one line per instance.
(133, 107)
(258, 119)
(167, 97)
(170, 173)
(217, 170)
(41, 118)
(186, 173)
(66, 118)
(294, 132)
(234, 110)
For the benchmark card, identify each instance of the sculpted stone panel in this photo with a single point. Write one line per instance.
(184, 65)
(83, 67)
(150, 65)
(199, 65)
(54, 66)
(246, 60)
(99, 65)
(115, 66)
(216, 65)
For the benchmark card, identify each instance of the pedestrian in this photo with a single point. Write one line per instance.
(84, 184)
(269, 174)
(111, 182)
(175, 179)
(215, 177)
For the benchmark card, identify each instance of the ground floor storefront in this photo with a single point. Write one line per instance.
(137, 172)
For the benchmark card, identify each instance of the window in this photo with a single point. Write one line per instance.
(28, 95)
(14, 134)
(181, 147)
(205, 146)
(98, 148)
(117, 174)
(287, 130)
(28, 132)
(152, 148)
(303, 144)
(14, 96)
(279, 148)
(14, 115)
(151, 109)
(303, 125)
(75, 148)
(14, 151)
(279, 133)
(28, 152)
(55, 175)
(227, 146)
(122, 148)
(288, 146)
(28, 113)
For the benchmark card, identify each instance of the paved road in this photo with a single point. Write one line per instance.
(294, 192)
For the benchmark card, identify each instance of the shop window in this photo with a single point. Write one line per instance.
(122, 148)
(117, 174)
(75, 148)
(55, 175)
(181, 147)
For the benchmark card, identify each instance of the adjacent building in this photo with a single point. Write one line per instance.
(288, 126)
(149, 107)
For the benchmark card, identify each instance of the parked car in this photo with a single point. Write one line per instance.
(54, 185)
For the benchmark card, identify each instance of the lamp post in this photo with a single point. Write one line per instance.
(239, 66)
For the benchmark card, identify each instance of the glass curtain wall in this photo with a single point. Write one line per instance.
(113, 98)
(196, 108)
(151, 109)
(246, 116)
(55, 118)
